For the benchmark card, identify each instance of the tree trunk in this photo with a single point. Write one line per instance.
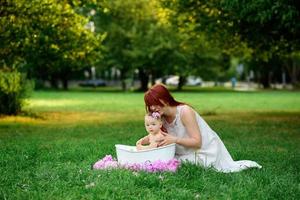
(182, 80)
(264, 80)
(265, 75)
(65, 83)
(123, 84)
(293, 72)
(123, 79)
(54, 82)
(64, 77)
(144, 78)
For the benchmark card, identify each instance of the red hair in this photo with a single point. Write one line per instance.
(158, 93)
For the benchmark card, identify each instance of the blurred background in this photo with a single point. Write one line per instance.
(133, 44)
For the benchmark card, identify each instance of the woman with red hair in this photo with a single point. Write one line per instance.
(195, 141)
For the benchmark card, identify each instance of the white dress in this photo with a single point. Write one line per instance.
(212, 153)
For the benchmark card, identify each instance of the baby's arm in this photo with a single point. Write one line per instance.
(147, 142)
(144, 147)
(143, 141)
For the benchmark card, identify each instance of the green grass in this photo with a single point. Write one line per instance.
(47, 154)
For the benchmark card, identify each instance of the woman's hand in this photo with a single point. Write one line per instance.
(167, 139)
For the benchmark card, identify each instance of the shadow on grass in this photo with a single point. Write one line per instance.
(71, 119)
(33, 115)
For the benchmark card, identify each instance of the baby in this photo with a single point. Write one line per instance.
(153, 126)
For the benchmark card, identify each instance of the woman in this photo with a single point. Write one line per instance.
(195, 141)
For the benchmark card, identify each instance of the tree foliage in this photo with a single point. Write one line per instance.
(138, 37)
(266, 29)
(47, 38)
(14, 88)
(50, 39)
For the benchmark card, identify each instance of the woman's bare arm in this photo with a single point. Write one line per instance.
(188, 119)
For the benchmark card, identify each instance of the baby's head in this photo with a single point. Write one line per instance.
(153, 122)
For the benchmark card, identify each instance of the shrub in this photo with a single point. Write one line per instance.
(14, 88)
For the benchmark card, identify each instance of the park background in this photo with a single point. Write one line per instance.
(72, 77)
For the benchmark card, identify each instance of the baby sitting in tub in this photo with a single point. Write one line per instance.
(153, 124)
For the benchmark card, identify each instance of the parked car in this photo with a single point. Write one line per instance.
(191, 80)
(172, 80)
(92, 83)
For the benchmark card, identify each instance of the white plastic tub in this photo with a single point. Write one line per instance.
(130, 155)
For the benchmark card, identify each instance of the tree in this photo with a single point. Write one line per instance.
(199, 49)
(276, 26)
(138, 37)
(269, 28)
(46, 38)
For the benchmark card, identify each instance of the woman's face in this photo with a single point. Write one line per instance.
(157, 108)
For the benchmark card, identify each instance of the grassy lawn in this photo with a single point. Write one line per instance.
(47, 154)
